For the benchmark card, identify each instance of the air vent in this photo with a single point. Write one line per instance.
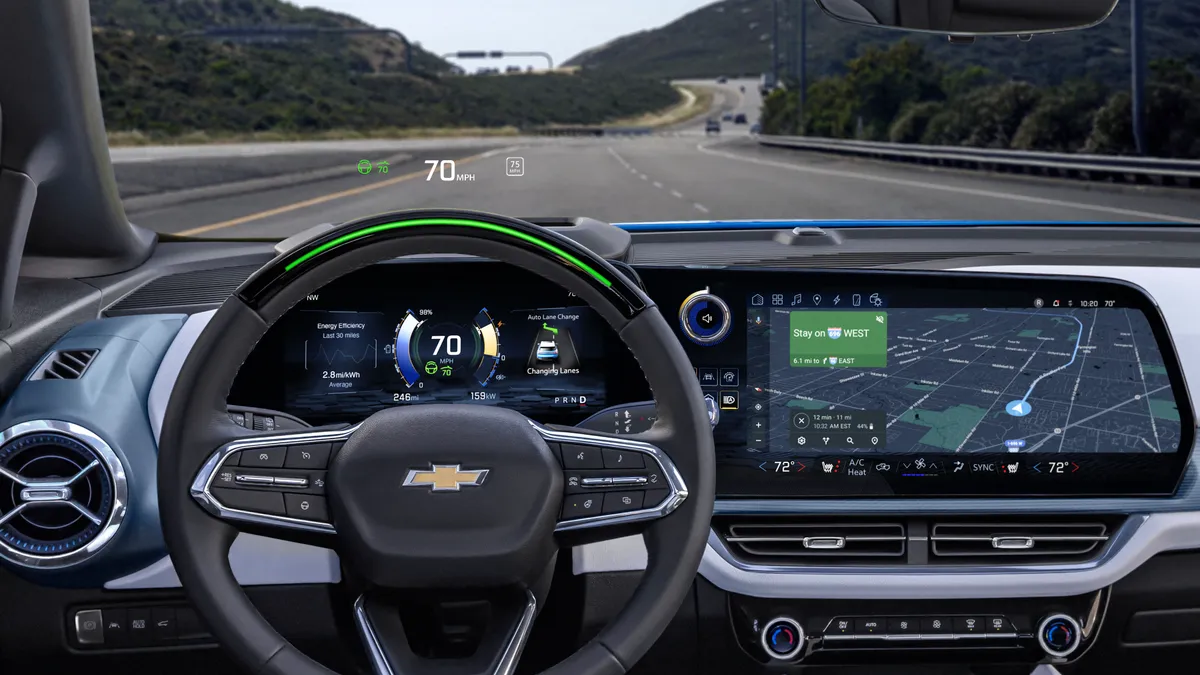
(68, 364)
(969, 542)
(796, 541)
(198, 288)
(62, 494)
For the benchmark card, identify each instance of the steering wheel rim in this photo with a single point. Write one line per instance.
(195, 423)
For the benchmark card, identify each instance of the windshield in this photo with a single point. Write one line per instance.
(260, 118)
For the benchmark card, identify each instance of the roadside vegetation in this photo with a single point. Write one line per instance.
(159, 85)
(900, 94)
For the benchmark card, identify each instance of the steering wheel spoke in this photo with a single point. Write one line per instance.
(273, 484)
(612, 483)
(462, 637)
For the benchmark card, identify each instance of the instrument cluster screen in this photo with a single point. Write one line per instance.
(416, 333)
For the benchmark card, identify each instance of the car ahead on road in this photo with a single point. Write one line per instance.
(712, 127)
(756, 128)
(727, 117)
(740, 118)
(722, 80)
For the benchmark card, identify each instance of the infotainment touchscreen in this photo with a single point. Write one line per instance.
(959, 381)
(879, 384)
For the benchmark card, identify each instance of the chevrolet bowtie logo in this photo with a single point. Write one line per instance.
(445, 477)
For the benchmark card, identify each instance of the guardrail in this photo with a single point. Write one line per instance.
(591, 131)
(1112, 168)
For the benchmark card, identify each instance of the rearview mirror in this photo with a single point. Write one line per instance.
(972, 17)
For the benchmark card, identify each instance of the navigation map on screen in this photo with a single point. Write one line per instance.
(976, 380)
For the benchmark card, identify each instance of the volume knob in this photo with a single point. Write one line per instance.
(704, 318)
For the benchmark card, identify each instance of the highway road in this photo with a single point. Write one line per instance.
(679, 174)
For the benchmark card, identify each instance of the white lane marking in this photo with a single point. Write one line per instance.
(674, 193)
(951, 188)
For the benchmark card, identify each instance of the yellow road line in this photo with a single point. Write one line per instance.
(320, 200)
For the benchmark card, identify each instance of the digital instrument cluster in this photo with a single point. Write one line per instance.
(414, 333)
(856, 384)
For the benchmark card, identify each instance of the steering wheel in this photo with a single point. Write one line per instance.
(436, 500)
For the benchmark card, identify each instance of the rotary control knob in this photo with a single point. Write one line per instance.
(1059, 635)
(704, 318)
(782, 638)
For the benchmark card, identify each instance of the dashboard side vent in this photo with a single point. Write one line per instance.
(62, 494)
(968, 542)
(68, 364)
(197, 288)
(794, 541)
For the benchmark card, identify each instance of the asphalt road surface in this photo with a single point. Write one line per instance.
(679, 174)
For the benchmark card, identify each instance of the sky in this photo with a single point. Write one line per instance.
(561, 27)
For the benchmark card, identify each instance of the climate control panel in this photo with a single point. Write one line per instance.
(995, 631)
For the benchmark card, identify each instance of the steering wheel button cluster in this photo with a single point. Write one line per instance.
(255, 501)
(619, 502)
(655, 497)
(623, 459)
(308, 456)
(306, 507)
(269, 458)
(582, 506)
(581, 457)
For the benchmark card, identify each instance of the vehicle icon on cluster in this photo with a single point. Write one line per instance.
(547, 350)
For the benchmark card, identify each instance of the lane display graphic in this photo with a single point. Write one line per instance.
(978, 380)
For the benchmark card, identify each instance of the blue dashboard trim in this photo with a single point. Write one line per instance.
(116, 385)
(699, 225)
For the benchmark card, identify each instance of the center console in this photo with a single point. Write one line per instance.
(920, 456)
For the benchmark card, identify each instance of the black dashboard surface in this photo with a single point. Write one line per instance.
(820, 383)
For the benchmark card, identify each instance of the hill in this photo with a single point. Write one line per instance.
(734, 37)
(156, 81)
(173, 17)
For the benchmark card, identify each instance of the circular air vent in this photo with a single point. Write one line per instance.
(62, 494)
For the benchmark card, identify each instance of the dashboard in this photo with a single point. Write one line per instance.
(1096, 474)
(848, 384)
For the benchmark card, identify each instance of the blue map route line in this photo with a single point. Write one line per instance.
(1074, 352)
